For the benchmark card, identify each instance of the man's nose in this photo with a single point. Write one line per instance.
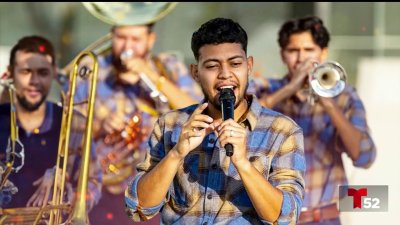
(34, 79)
(225, 72)
(129, 44)
(301, 56)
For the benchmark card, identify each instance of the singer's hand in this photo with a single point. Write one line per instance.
(231, 132)
(194, 131)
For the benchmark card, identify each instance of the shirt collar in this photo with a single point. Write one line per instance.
(251, 115)
(47, 122)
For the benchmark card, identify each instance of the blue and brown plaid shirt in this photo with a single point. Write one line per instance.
(323, 146)
(113, 97)
(207, 188)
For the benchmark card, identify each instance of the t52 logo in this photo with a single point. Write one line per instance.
(363, 198)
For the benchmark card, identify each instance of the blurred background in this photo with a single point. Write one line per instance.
(365, 39)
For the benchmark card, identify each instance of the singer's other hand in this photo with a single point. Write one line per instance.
(194, 131)
(231, 132)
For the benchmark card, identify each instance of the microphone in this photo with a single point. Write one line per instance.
(227, 100)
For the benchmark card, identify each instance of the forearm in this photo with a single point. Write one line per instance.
(270, 100)
(349, 134)
(266, 199)
(176, 97)
(153, 186)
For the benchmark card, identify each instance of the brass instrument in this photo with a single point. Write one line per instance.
(116, 165)
(326, 80)
(79, 214)
(127, 13)
(13, 144)
(120, 14)
(52, 214)
(14, 139)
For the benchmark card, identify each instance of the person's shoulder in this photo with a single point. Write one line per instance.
(5, 110)
(349, 92)
(278, 121)
(4, 107)
(169, 57)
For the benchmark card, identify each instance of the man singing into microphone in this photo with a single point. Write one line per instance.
(187, 174)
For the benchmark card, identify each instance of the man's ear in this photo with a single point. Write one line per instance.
(55, 72)
(152, 39)
(194, 71)
(7, 74)
(250, 64)
(282, 57)
(324, 54)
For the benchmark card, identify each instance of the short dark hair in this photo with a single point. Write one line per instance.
(312, 24)
(33, 44)
(218, 31)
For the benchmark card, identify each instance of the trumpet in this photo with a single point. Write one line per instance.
(326, 80)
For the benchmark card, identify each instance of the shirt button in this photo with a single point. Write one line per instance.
(209, 196)
(205, 223)
(212, 140)
(214, 166)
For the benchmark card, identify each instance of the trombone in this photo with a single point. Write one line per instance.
(78, 215)
(77, 211)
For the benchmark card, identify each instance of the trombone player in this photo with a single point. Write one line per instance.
(133, 82)
(32, 68)
(331, 126)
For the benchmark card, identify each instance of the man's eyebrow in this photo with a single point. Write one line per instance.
(216, 60)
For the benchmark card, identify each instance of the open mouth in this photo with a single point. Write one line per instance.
(219, 88)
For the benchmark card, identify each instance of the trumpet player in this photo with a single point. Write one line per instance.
(331, 126)
(129, 75)
(32, 68)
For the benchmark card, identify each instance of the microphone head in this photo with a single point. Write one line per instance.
(226, 94)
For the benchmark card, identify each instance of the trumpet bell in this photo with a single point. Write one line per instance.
(328, 79)
(129, 13)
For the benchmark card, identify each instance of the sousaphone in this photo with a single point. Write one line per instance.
(123, 14)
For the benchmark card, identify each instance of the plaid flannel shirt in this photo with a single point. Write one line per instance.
(322, 143)
(207, 188)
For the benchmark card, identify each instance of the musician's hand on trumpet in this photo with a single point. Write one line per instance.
(299, 82)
